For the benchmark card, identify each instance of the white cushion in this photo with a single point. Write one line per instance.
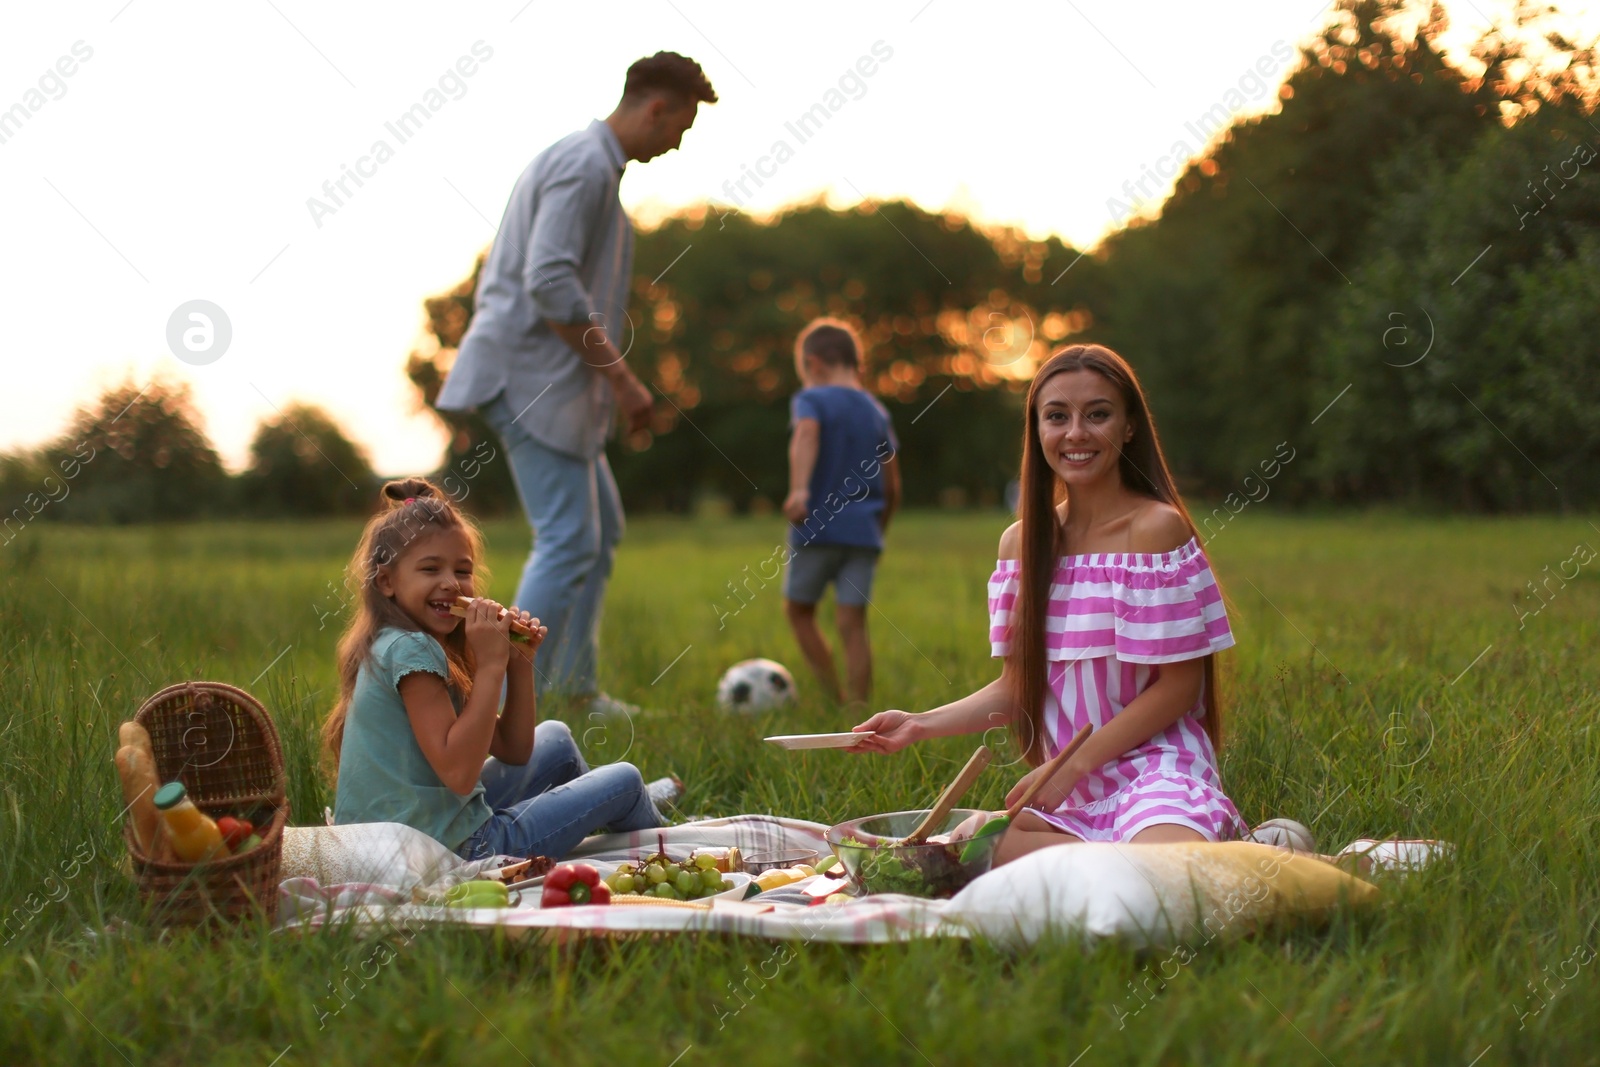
(377, 853)
(1150, 895)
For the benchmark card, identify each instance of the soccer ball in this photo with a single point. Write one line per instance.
(755, 685)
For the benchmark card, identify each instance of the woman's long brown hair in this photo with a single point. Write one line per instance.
(413, 509)
(1144, 470)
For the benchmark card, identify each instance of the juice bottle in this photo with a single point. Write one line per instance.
(193, 835)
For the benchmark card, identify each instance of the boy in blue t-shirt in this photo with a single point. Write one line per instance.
(844, 484)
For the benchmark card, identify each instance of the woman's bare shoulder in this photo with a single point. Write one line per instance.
(1011, 541)
(1158, 527)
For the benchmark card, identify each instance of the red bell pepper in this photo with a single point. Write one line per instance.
(573, 883)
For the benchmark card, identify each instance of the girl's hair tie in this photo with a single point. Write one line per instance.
(411, 500)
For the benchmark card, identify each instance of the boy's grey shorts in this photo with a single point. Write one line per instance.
(812, 567)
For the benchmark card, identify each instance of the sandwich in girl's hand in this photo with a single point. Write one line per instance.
(520, 631)
(419, 733)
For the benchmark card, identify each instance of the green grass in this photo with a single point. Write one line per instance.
(1358, 702)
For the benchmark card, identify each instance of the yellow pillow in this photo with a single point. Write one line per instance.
(1242, 882)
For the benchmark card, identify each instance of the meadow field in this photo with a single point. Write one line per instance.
(1393, 675)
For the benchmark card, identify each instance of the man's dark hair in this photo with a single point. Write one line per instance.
(830, 341)
(668, 72)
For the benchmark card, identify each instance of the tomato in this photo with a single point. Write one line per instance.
(234, 831)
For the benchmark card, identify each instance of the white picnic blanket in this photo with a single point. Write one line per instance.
(334, 884)
(1145, 895)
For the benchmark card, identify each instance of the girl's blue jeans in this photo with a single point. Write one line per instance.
(549, 804)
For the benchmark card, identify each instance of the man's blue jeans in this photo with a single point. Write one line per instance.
(576, 515)
(549, 804)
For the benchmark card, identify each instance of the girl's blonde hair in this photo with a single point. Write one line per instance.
(414, 508)
(1144, 470)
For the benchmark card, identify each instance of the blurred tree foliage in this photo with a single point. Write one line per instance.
(301, 463)
(487, 484)
(139, 454)
(954, 320)
(1396, 273)
(1328, 245)
(134, 455)
(1299, 254)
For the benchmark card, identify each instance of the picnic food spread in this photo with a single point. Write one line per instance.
(777, 877)
(883, 871)
(520, 631)
(532, 867)
(573, 883)
(190, 832)
(695, 877)
(166, 823)
(871, 852)
(238, 834)
(483, 893)
(193, 836)
(136, 767)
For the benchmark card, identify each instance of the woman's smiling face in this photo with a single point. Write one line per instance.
(1083, 424)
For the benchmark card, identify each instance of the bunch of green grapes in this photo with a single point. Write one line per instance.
(690, 879)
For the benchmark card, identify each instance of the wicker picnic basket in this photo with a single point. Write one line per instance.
(221, 744)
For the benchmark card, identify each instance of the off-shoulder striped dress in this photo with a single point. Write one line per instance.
(1112, 620)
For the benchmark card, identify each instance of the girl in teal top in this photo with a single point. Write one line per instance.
(417, 733)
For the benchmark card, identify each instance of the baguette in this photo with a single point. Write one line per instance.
(131, 733)
(137, 770)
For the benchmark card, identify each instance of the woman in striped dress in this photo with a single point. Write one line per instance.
(1104, 612)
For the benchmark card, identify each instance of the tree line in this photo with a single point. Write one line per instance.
(1392, 277)
(1393, 280)
(139, 454)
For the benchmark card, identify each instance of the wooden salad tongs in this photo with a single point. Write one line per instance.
(1002, 822)
(520, 631)
(948, 799)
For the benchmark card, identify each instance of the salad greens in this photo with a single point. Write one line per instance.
(882, 871)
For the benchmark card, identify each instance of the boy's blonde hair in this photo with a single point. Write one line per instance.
(830, 341)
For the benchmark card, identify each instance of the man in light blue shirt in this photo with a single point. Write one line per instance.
(541, 363)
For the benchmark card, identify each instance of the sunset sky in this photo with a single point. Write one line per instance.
(176, 161)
